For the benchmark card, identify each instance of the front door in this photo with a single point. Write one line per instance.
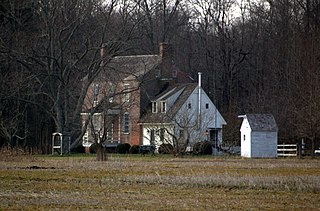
(213, 137)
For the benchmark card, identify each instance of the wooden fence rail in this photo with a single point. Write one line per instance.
(288, 150)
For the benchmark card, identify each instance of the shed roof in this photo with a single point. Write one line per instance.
(262, 122)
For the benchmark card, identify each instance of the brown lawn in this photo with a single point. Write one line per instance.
(158, 183)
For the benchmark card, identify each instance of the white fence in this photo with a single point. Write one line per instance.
(287, 150)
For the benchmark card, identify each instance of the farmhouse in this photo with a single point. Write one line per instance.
(158, 103)
(259, 136)
(182, 114)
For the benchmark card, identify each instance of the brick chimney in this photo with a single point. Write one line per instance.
(167, 69)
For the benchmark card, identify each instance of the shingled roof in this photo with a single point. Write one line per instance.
(129, 67)
(262, 122)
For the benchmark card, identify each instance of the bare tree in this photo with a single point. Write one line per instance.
(63, 57)
(161, 21)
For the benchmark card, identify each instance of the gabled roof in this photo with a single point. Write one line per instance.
(130, 67)
(166, 94)
(261, 122)
(187, 90)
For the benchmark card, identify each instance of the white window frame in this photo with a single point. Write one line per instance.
(111, 88)
(126, 95)
(163, 106)
(154, 107)
(110, 133)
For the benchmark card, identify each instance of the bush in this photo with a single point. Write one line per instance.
(206, 148)
(93, 148)
(165, 149)
(123, 148)
(78, 149)
(197, 148)
(202, 148)
(134, 149)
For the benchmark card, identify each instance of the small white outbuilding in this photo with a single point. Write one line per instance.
(259, 136)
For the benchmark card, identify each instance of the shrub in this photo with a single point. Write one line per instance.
(123, 148)
(134, 149)
(93, 148)
(206, 148)
(165, 149)
(202, 148)
(78, 149)
(197, 148)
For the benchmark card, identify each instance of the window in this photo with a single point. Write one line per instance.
(189, 105)
(207, 105)
(126, 90)
(85, 139)
(110, 132)
(244, 137)
(154, 107)
(174, 73)
(152, 137)
(96, 122)
(95, 89)
(111, 92)
(163, 107)
(181, 133)
(126, 123)
(95, 93)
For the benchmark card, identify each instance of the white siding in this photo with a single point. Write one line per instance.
(146, 139)
(210, 117)
(187, 117)
(264, 144)
(245, 139)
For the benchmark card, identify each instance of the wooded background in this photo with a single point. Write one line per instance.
(255, 56)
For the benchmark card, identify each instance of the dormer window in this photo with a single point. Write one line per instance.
(154, 107)
(163, 107)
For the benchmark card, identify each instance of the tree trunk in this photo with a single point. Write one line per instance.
(101, 153)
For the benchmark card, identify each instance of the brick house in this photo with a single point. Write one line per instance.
(124, 93)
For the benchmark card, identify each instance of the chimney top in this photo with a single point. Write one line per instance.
(166, 51)
(199, 79)
(167, 68)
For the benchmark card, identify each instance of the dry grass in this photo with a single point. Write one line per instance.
(159, 183)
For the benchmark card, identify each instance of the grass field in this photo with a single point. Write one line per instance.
(158, 183)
